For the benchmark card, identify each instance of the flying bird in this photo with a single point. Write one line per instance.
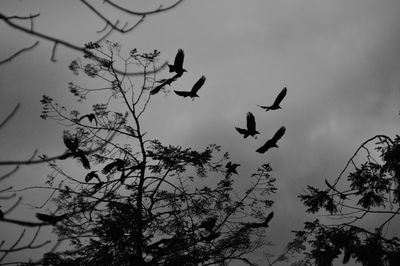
(90, 116)
(92, 175)
(262, 224)
(209, 224)
(231, 168)
(163, 84)
(177, 67)
(51, 219)
(272, 142)
(118, 164)
(251, 127)
(72, 144)
(277, 101)
(196, 87)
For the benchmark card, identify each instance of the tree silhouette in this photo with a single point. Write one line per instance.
(364, 209)
(144, 202)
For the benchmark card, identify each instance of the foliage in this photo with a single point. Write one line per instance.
(370, 194)
(150, 203)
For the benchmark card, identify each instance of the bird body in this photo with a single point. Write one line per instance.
(209, 224)
(177, 67)
(193, 92)
(272, 143)
(277, 102)
(251, 127)
(72, 144)
(52, 219)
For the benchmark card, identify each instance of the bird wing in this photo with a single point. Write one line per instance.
(279, 134)
(265, 147)
(183, 93)
(269, 217)
(280, 97)
(241, 130)
(265, 107)
(84, 159)
(251, 122)
(109, 167)
(178, 63)
(90, 175)
(228, 165)
(198, 84)
(82, 117)
(157, 89)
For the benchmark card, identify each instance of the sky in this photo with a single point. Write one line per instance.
(338, 59)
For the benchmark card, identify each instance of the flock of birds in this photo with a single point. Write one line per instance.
(178, 69)
(72, 143)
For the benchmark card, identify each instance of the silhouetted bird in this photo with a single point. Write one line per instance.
(92, 175)
(81, 155)
(251, 127)
(272, 142)
(231, 168)
(118, 164)
(177, 67)
(209, 224)
(91, 117)
(163, 84)
(51, 219)
(196, 87)
(72, 143)
(277, 101)
(259, 225)
(1, 214)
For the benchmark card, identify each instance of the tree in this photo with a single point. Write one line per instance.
(363, 209)
(143, 202)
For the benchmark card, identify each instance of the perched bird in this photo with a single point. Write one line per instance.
(51, 219)
(251, 127)
(177, 67)
(262, 224)
(90, 116)
(92, 175)
(231, 168)
(272, 142)
(208, 224)
(277, 101)
(196, 87)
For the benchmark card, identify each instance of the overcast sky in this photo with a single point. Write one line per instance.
(340, 61)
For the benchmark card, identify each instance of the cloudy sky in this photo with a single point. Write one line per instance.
(339, 60)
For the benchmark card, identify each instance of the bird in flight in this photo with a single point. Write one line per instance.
(231, 168)
(251, 127)
(272, 142)
(262, 224)
(277, 101)
(90, 116)
(177, 67)
(92, 175)
(196, 87)
(51, 219)
(72, 144)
